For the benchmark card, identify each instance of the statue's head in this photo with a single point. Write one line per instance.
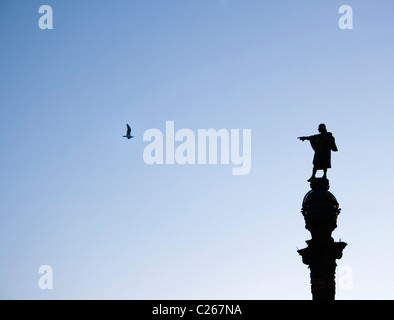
(322, 128)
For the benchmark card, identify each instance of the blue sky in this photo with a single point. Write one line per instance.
(77, 196)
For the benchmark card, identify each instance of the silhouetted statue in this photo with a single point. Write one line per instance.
(323, 143)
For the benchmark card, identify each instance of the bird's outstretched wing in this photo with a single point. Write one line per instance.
(128, 130)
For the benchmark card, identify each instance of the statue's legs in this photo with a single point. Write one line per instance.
(314, 174)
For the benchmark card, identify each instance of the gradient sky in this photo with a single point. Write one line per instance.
(77, 196)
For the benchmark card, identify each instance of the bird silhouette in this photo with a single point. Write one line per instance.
(128, 133)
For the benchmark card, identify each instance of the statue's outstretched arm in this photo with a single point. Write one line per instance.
(305, 138)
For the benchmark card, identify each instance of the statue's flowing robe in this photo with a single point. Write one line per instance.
(323, 144)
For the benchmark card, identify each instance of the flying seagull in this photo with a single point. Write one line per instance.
(128, 136)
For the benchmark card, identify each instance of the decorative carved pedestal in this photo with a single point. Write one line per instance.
(320, 210)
